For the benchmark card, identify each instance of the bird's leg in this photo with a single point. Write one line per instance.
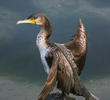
(63, 95)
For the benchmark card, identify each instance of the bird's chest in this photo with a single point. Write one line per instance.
(43, 49)
(43, 54)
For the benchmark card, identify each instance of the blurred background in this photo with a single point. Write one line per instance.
(21, 71)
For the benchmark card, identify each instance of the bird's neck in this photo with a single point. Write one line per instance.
(44, 35)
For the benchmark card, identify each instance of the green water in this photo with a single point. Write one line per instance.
(19, 56)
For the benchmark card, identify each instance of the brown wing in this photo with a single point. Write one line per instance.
(64, 75)
(69, 80)
(78, 46)
(50, 80)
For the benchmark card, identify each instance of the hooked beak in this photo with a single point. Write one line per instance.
(26, 21)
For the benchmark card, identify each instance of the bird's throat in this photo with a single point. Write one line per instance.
(41, 39)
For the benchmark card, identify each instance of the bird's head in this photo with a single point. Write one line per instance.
(39, 19)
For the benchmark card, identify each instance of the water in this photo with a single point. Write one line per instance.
(19, 57)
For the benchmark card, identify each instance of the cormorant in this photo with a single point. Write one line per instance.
(62, 62)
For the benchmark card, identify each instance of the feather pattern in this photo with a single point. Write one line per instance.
(62, 62)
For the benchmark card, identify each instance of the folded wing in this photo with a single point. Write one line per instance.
(51, 79)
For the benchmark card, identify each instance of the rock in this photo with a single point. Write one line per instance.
(57, 96)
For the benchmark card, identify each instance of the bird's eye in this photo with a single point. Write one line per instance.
(32, 18)
(36, 17)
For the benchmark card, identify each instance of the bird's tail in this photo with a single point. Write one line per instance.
(92, 97)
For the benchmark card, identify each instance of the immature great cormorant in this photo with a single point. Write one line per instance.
(62, 62)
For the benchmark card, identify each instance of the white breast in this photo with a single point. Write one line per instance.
(44, 62)
(40, 42)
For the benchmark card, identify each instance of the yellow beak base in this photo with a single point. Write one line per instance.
(26, 21)
(32, 21)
